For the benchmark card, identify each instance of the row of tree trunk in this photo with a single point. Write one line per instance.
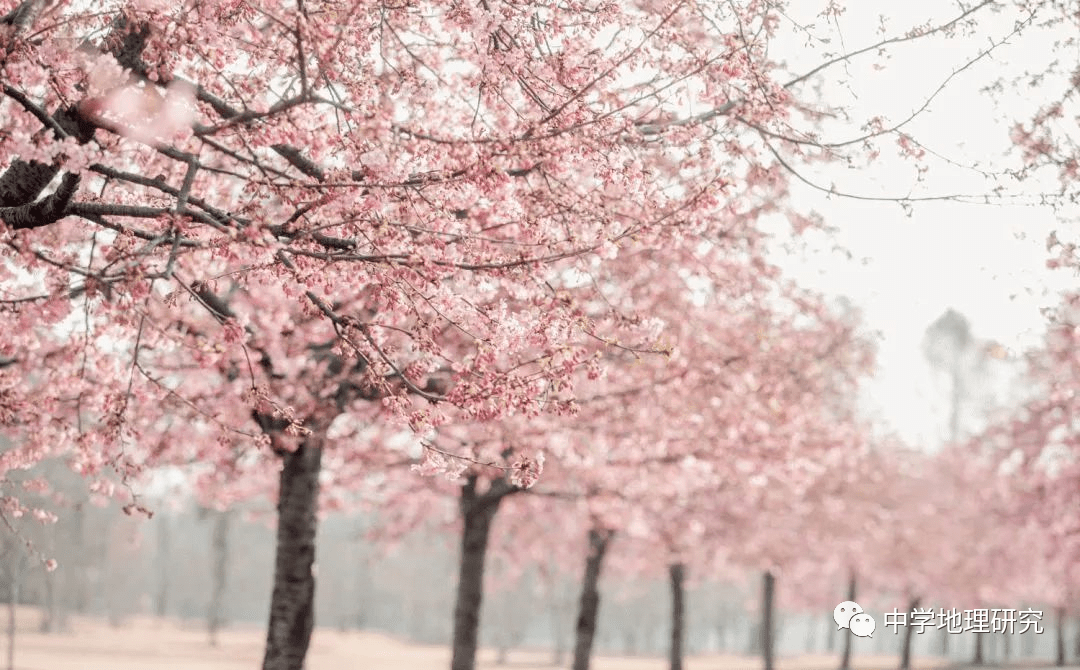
(292, 603)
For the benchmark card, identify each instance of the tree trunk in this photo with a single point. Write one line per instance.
(978, 658)
(15, 570)
(1027, 643)
(78, 573)
(477, 511)
(215, 615)
(909, 630)
(1076, 644)
(767, 595)
(558, 629)
(1059, 660)
(830, 637)
(50, 619)
(589, 606)
(292, 605)
(753, 647)
(845, 660)
(677, 572)
(161, 603)
(945, 642)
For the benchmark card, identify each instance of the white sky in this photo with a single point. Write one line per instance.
(906, 272)
(988, 262)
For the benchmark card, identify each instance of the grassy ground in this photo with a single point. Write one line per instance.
(150, 644)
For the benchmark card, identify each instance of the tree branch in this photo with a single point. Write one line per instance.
(46, 211)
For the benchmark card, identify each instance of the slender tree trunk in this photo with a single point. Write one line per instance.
(12, 608)
(15, 570)
(677, 572)
(589, 605)
(558, 653)
(978, 658)
(1059, 660)
(830, 637)
(768, 594)
(292, 605)
(753, 647)
(1076, 644)
(80, 585)
(957, 398)
(909, 630)
(477, 511)
(215, 618)
(1027, 643)
(161, 604)
(50, 618)
(845, 660)
(1006, 649)
(558, 630)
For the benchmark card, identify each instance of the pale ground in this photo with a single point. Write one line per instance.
(148, 644)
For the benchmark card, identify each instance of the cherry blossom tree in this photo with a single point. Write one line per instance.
(1034, 451)
(688, 483)
(236, 235)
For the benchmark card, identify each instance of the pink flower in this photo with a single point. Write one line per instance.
(234, 332)
(526, 471)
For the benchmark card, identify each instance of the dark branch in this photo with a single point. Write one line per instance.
(44, 212)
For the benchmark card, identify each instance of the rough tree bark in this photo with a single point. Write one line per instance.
(477, 511)
(589, 606)
(845, 660)
(677, 573)
(215, 614)
(768, 594)
(905, 651)
(292, 612)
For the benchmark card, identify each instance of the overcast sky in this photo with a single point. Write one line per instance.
(988, 262)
